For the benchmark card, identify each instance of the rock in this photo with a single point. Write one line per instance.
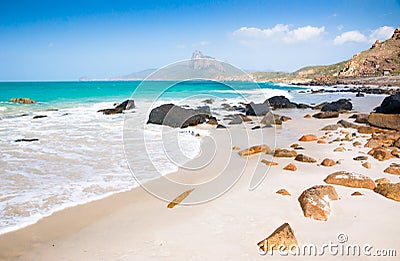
(331, 127)
(290, 167)
(357, 194)
(23, 100)
(126, 105)
(362, 118)
(366, 165)
(255, 149)
(319, 106)
(176, 116)
(359, 158)
(212, 121)
(347, 124)
(235, 148)
(303, 106)
(308, 138)
(26, 140)
(269, 163)
(208, 101)
(390, 105)
(111, 111)
(350, 179)
(359, 94)
(339, 105)
(236, 120)
(258, 109)
(328, 162)
(285, 118)
(357, 144)
(382, 181)
(389, 190)
(393, 169)
(284, 153)
(39, 116)
(307, 116)
(268, 119)
(219, 126)
(326, 115)
(227, 107)
(294, 145)
(397, 143)
(304, 158)
(281, 239)
(280, 102)
(396, 152)
(283, 192)
(387, 121)
(206, 109)
(244, 118)
(380, 154)
(315, 201)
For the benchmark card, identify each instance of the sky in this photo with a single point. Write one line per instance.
(66, 40)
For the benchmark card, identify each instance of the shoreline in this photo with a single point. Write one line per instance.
(134, 224)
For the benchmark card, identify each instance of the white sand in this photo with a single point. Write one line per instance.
(136, 226)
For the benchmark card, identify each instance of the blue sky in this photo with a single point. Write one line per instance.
(60, 40)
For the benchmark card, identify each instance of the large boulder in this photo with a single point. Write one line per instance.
(176, 116)
(339, 105)
(387, 121)
(315, 201)
(389, 190)
(390, 105)
(23, 100)
(280, 102)
(257, 109)
(350, 179)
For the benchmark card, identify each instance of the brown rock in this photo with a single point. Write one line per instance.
(339, 149)
(350, 179)
(304, 158)
(321, 142)
(315, 201)
(255, 149)
(179, 198)
(362, 118)
(357, 194)
(380, 154)
(357, 144)
(283, 192)
(282, 236)
(382, 181)
(285, 118)
(359, 158)
(290, 167)
(308, 137)
(212, 121)
(396, 152)
(295, 145)
(393, 169)
(328, 162)
(284, 153)
(326, 115)
(387, 121)
(235, 148)
(389, 190)
(366, 165)
(269, 163)
(331, 127)
(307, 116)
(23, 100)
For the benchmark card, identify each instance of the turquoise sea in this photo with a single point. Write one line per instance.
(79, 154)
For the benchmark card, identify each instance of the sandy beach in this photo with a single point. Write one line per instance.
(135, 225)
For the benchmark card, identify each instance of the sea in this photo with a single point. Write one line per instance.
(79, 155)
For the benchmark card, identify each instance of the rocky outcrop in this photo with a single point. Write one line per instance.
(315, 201)
(23, 100)
(120, 108)
(389, 190)
(339, 106)
(176, 116)
(393, 169)
(390, 105)
(255, 149)
(257, 109)
(387, 121)
(280, 102)
(281, 239)
(350, 179)
(304, 158)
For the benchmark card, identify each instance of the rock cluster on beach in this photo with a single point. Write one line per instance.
(23, 100)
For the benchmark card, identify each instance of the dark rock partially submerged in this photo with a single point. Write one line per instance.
(390, 105)
(176, 116)
(125, 105)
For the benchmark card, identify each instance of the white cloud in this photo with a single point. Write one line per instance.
(382, 33)
(350, 36)
(279, 32)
